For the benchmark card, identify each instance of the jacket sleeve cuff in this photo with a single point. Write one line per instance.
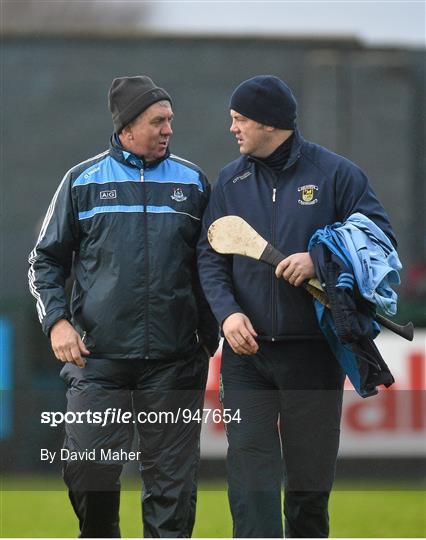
(223, 313)
(53, 318)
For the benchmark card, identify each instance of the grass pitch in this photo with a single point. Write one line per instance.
(39, 507)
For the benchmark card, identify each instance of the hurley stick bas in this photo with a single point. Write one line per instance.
(232, 235)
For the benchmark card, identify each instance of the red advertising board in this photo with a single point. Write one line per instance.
(391, 424)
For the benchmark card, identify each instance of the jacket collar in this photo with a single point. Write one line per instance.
(296, 148)
(295, 151)
(123, 156)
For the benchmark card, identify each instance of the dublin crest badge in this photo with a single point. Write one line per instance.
(307, 194)
(178, 195)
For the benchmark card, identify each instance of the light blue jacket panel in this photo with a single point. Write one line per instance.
(362, 245)
(374, 260)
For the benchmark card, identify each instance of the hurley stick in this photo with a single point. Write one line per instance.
(232, 235)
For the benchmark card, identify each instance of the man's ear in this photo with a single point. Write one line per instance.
(126, 133)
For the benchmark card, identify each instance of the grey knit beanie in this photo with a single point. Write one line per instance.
(130, 96)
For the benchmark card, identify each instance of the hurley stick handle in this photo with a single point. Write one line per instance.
(406, 331)
(271, 255)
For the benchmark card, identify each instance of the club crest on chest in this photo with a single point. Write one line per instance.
(178, 195)
(307, 194)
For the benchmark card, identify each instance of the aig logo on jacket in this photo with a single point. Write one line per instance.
(111, 194)
(307, 194)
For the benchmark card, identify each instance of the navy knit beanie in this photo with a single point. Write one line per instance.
(267, 100)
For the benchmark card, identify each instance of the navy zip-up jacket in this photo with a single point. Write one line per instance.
(315, 188)
(129, 230)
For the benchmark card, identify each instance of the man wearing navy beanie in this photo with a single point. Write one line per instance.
(278, 372)
(267, 100)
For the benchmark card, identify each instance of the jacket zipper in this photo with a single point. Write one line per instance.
(274, 281)
(273, 278)
(145, 241)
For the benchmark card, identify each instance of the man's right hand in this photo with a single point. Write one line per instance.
(67, 344)
(240, 334)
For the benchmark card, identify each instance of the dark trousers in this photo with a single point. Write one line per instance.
(289, 395)
(169, 448)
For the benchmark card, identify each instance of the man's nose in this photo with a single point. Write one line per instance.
(167, 129)
(233, 128)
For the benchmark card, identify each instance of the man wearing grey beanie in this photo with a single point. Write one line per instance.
(278, 370)
(136, 340)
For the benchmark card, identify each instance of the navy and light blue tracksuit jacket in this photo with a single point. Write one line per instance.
(129, 231)
(315, 188)
(357, 265)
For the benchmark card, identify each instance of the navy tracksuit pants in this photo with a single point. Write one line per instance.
(289, 396)
(169, 451)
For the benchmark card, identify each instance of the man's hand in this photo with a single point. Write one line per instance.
(67, 344)
(240, 334)
(296, 268)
